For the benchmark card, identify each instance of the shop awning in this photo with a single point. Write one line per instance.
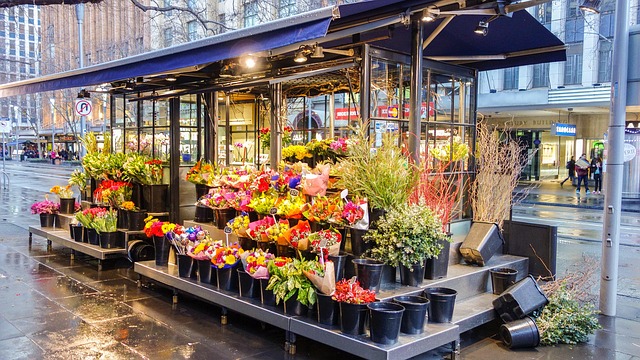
(511, 41)
(189, 56)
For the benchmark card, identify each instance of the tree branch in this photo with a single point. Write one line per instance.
(202, 20)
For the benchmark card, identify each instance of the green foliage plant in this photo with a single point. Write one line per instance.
(407, 235)
(289, 280)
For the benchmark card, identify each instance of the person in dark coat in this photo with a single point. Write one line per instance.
(582, 170)
(596, 171)
(571, 166)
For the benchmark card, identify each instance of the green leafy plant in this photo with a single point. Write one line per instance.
(383, 175)
(565, 320)
(407, 235)
(105, 221)
(288, 280)
(79, 179)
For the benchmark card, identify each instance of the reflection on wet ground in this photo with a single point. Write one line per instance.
(55, 308)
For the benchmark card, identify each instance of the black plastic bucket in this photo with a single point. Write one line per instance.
(162, 247)
(412, 276)
(294, 307)
(441, 303)
(338, 264)
(520, 300)
(78, 233)
(358, 245)
(247, 285)
(521, 333)
(136, 219)
(266, 296)
(502, 278)
(384, 322)
(92, 237)
(205, 271)
(353, 318)
(227, 279)
(369, 273)
(186, 267)
(415, 313)
(328, 310)
(111, 240)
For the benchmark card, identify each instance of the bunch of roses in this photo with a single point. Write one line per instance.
(226, 256)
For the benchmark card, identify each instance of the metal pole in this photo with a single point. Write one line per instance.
(615, 162)
(332, 115)
(83, 119)
(415, 100)
(275, 148)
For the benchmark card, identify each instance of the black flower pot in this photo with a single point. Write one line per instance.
(436, 268)
(412, 276)
(369, 272)
(358, 245)
(162, 247)
(186, 266)
(111, 240)
(502, 278)
(67, 205)
(294, 307)
(338, 264)
(520, 300)
(85, 235)
(482, 242)
(154, 198)
(328, 310)
(521, 333)
(227, 278)
(222, 216)
(205, 271)
(317, 226)
(78, 233)
(71, 231)
(47, 220)
(343, 238)
(202, 190)
(441, 304)
(136, 219)
(353, 318)
(415, 313)
(247, 285)
(263, 245)
(203, 214)
(374, 216)
(140, 250)
(246, 243)
(123, 219)
(92, 237)
(266, 296)
(384, 322)
(388, 275)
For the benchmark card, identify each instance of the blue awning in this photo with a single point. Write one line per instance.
(279, 33)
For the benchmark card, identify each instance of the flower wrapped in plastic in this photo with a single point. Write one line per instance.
(263, 202)
(240, 225)
(226, 256)
(45, 207)
(326, 242)
(64, 192)
(219, 198)
(290, 206)
(317, 182)
(275, 233)
(258, 229)
(297, 236)
(321, 274)
(324, 210)
(185, 239)
(256, 262)
(355, 214)
(349, 291)
(205, 249)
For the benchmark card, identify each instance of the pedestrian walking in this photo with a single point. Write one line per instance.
(582, 170)
(571, 166)
(596, 171)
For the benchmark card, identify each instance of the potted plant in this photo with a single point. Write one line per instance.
(199, 175)
(105, 223)
(149, 173)
(86, 217)
(353, 300)
(79, 179)
(67, 201)
(406, 236)
(287, 281)
(47, 210)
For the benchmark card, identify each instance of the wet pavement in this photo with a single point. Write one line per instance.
(56, 308)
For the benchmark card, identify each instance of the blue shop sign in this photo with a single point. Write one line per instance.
(563, 129)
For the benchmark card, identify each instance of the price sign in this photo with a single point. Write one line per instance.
(273, 211)
(227, 230)
(294, 192)
(344, 193)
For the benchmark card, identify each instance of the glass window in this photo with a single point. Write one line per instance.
(222, 21)
(511, 78)
(192, 4)
(607, 18)
(540, 75)
(250, 13)
(543, 14)
(168, 37)
(605, 55)
(287, 8)
(385, 92)
(192, 30)
(573, 69)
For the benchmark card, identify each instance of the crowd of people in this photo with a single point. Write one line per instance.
(583, 169)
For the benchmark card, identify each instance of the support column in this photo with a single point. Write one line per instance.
(174, 162)
(332, 115)
(227, 130)
(275, 147)
(365, 86)
(415, 100)
(613, 170)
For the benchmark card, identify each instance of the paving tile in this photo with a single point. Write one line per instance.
(92, 351)
(8, 331)
(96, 308)
(33, 304)
(52, 322)
(82, 334)
(122, 289)
(87, 273)
(19, 349)
(61, 287)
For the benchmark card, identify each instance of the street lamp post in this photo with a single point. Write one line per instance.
(83, 119)
(17, 127)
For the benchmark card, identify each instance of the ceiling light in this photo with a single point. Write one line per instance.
(129, 85)
(249, 61)
(482, 28)
(590, 6)
(300, 57)
(317, 52)
(171, 78)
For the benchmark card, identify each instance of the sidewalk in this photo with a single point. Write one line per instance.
(552, 194)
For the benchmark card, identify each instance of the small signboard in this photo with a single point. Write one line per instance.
(83, 107)
(227, 229)
(273, 211)
(563, 129)
(5, 126)
(294, 193)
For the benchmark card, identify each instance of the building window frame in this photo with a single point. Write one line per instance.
(250, 13)
(510, 81)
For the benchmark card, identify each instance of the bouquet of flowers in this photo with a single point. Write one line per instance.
(155, 227)
(128, 205)
(326, 242)
(317, 182)
(324, 210)
(45, 207)
(113, 193)
(286, 279)
(201, 172)
(226, 256)
(221, 198)
(87, 216)
(297, 236)
(262, 203)
(105, 221)
(143, 170)
(349, 291)
(290, 206)
(255, 263)
(63, 192)
(205, 249)
(240, 224)
(185, 239)
(241, 201)
(295, 152)
(258, 229)
(265, 136)
(275, 233)
(79, 179)
(321, 275)
(354, 214)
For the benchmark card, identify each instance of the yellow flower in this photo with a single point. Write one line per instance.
(230, 259)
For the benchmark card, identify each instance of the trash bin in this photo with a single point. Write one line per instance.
(22, 156)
